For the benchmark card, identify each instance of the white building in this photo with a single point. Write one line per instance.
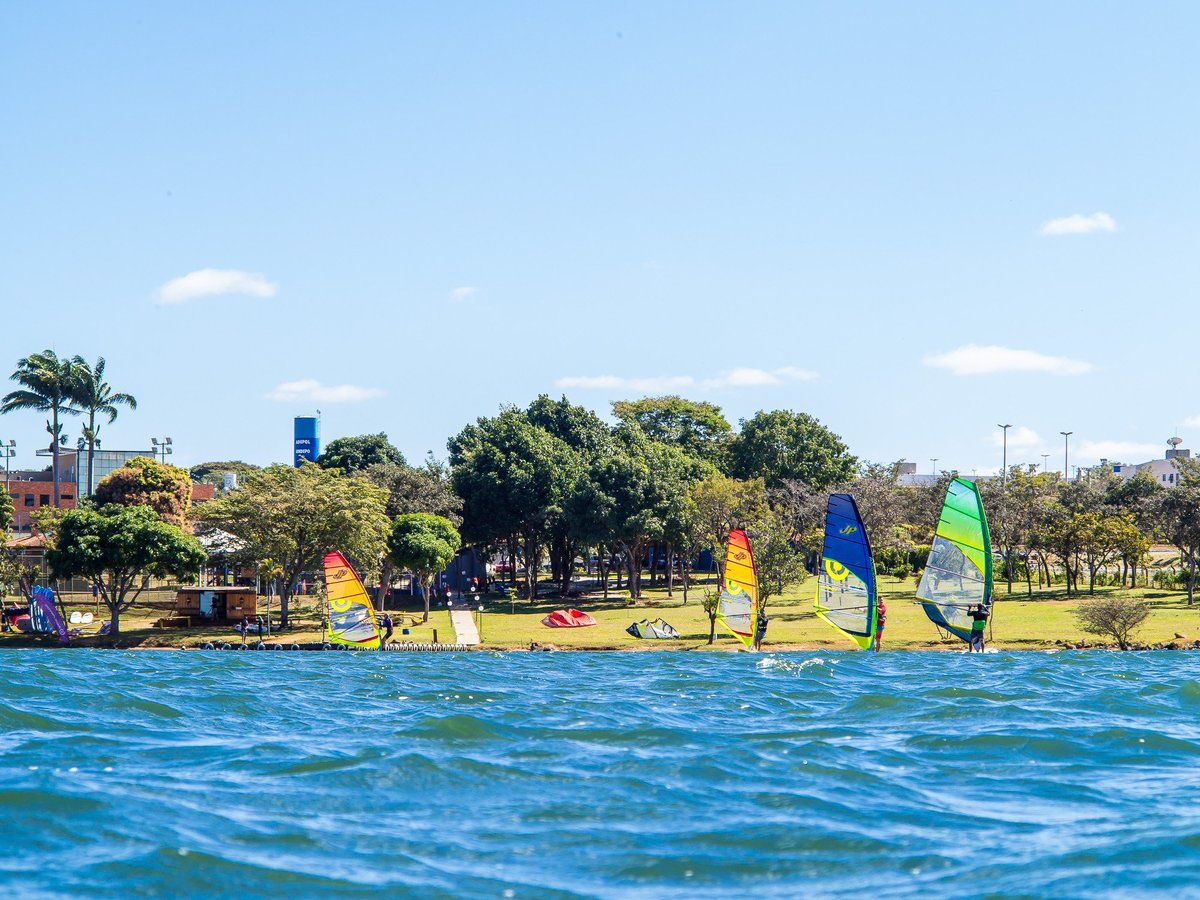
(1165, 471)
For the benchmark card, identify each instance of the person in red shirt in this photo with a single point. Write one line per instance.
(880, 621)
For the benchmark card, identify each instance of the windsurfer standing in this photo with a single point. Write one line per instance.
(880, 621)
(979, 617)
(387, 628)
(760, 631)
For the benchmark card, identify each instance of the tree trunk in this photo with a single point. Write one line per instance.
(712, 627)
(91, 484)
(602, 567)
(512, 561)
(532, 561)
(54, 456)
(426, 592)
(670, 574)
(385, 582)
(1191, 577)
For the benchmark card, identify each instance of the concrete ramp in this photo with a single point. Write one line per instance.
(465, 632)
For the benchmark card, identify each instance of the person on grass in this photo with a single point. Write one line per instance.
(880, 621)
(760, 630)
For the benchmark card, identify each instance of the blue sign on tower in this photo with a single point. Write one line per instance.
(307, 441)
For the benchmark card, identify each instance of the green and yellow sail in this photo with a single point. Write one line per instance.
(958, 575)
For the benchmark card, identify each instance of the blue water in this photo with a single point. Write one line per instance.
(574, 774)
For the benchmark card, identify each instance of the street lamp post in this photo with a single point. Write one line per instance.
(1066, 440)
(163, 448)
(1045, 456)
(1004, 465)
(7, 451)
(934, 459)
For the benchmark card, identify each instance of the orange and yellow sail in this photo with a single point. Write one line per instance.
(737, 608)
(351, 614)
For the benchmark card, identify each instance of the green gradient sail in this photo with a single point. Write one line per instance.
(959, 573)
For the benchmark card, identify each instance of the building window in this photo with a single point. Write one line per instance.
(45, 500)
(67, 498)
(29, 499)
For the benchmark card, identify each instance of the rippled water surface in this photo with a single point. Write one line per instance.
(574, 774)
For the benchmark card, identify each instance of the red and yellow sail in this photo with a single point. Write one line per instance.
(351, 614)
(737, 608)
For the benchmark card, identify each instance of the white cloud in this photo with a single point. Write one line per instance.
(462, 293)
(210, 282)
(734, 378)
(653, 385)
(1191, 422)
(310, 390)
(1117, 451)
(1019, 438)
(1080, 224)
(975, 360)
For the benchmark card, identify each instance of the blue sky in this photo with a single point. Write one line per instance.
(914, 221)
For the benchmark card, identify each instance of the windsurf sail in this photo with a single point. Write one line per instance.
(351, 616)
(737, 607)
(846, 581)
(959, 572)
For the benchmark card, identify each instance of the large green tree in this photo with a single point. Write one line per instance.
(513, 478)
(781, 445)
(94, 398)
(354, 454)
(48, 384)
(144, 481)
(423, 544)
(116, 547)
(296, 515)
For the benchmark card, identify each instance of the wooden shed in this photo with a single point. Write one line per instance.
(216, 605)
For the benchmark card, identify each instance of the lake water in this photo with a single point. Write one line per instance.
(575, 774)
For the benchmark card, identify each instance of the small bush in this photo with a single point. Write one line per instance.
(1114, 617)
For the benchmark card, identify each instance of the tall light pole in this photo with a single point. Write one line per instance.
(164, 448)
(7, 451)
(1004, 465)
(934, 459)
(1066, 442)
(1045, 456)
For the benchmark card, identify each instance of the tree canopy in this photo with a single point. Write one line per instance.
(781, 445)
(143, 481)
(697, 428)
(48, 384)
(354, 454)
(7, 511)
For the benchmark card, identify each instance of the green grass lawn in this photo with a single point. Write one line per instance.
(1017, 623)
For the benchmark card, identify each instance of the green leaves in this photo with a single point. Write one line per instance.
(351, 455)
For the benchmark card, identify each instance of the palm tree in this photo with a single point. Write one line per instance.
(96, 397)
(49, 384)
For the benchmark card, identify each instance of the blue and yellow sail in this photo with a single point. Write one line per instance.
(351, 614)
(958, 575)
(738, 607)
(846, 588)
